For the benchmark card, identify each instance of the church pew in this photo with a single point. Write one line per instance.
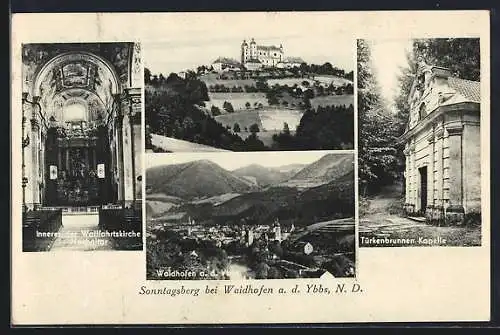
(42, 221)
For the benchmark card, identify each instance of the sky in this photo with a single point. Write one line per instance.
(234, 160)
(388, 56)
(189, 48)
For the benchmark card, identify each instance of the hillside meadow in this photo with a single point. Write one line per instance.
(237, 100)
(332, 100)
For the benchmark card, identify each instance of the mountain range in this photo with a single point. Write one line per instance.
(204, 178)
(322, 189)
(197, 179)
(265, 176)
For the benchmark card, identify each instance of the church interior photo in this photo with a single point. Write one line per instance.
(82, 146)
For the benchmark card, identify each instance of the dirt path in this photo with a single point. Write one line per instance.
(377, 224)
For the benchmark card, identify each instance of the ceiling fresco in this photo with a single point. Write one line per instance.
(87, 74)
(118, 54)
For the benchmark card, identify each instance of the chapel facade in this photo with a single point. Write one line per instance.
(442, 146)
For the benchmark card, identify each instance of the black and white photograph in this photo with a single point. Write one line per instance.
(419, 142)
(250, 215)
(250, 90)
(82, 146)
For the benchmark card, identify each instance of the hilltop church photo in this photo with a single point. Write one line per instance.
(81, 146)
(249, 94)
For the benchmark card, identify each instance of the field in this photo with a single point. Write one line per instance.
(336, 81)
(332, 100)
(216, 200)
(237, 100)
(158, 207)
(267, 119)
(243, 118)
(274, 119)
(174, 145)
(292, 101)
(211, 80)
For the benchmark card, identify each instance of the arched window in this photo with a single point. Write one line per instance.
(75, 112)
(421, 112)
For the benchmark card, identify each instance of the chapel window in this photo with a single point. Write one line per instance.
(421, 112)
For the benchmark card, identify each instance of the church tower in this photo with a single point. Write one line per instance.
(253, 49)
(244, 52)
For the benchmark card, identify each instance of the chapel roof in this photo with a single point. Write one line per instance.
(471, 90)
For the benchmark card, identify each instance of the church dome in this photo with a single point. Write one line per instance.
(253, 41)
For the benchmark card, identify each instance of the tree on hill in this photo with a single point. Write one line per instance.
(349, 75)
(236, 128)
(147, 76)
(228, 107)
(253, 143)
(215, 110)
(147, 135)
(154, 80)
(286, 129)
(261, 86)
(272, 98)
(254, 128)
(309, 94)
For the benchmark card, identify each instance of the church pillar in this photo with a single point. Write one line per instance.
(27, 164)
(35, 148)
(429, 211)
(127, 153)
(407, 205)
(43, 169)
(455, 210)
(135, 100)
(119, 155)
(413, 178)
(59, 160)
(94, 159)
(438, 176)
(66, 167)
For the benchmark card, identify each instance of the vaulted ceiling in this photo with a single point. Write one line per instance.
(63, 75)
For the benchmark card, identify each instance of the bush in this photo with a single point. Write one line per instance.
(396, 207)
(472, 219)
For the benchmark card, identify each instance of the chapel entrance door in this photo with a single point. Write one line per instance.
(423, 188)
